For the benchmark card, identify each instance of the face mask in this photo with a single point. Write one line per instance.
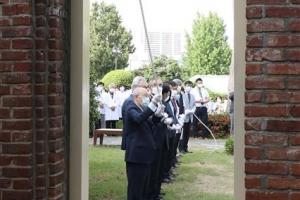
(174, 93)
(219, 100)
(199, 85)
(178, 88)
(157, 91)
(188, 89)
(122, 89)
(100, 89)
(145, 102)
(112, 90)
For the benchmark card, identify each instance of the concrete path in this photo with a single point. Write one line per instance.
(210, 144)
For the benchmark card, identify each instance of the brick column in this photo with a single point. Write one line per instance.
(34, 90)
(272, 117)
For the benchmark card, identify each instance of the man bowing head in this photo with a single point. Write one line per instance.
(141, 117)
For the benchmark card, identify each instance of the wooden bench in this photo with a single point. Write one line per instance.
(106, 131)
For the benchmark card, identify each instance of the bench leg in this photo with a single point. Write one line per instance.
(101, 139)
(95, 139)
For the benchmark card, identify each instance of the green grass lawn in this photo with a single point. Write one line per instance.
(204, 175)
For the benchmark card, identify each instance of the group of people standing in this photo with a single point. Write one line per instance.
(157, 119)
(109, 104)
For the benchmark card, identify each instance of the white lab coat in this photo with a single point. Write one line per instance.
(122, 96)
(109, 102)
(100, 98)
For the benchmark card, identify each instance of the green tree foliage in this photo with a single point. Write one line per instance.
(207, 51)
(165, 68)
(106, 32)
(94, 115)
(118, 77)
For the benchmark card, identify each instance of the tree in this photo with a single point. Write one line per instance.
(207, 51)
(106, 32)
(165, 68)
(93, 114)
(118, 77)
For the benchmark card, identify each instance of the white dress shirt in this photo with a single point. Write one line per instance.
(201, 94)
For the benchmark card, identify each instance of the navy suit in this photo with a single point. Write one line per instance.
(140, 149)
(125, 105)
(169, 152)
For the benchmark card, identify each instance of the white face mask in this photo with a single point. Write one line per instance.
(100, 88)
(157, 91)
(178, 88)
(199, 85)
(122, 89)
(188, 89)
(174, 93)
(111, 90)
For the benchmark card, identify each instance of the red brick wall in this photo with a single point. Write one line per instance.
(34, 65)
(272, 98)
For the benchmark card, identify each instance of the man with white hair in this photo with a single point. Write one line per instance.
(138, 81)
(141, 116)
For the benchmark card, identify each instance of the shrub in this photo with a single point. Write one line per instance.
(219, 124)
(118, 77)
(229, 145)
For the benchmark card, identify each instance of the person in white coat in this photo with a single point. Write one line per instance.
(122, 95)
(111, 101)
(99, 98)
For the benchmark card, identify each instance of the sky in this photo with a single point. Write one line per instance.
(175, 15)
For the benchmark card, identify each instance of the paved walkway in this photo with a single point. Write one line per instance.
(211, 144)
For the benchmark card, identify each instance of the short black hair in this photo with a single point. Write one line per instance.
(188, 83)
(100, 83)
(198, 79)
(166, 88)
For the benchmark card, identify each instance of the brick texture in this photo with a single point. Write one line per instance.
(272, 100)
(34, 50)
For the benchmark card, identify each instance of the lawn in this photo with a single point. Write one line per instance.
(204, 175)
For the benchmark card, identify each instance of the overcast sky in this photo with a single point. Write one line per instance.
(172, 14)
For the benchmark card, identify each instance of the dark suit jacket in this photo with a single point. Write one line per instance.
(180, 104)
(140, 146)
(125, 105)
(169, 110)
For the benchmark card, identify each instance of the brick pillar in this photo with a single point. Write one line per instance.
(272, 99)
(34, 90)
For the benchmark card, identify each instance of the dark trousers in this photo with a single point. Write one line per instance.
(169, 155)
(176, 143)
(155, 174)
(201, 113)
(183, 145)
(137, 178)
(111, 123)
(161, 173)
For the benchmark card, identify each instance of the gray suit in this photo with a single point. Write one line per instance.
(188, 103)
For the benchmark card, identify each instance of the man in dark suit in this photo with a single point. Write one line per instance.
(140, 146)
(160, 139)
(138, 81)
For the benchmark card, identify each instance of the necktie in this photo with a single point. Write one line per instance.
(200, 93)
(189, 96)
(174, 105)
